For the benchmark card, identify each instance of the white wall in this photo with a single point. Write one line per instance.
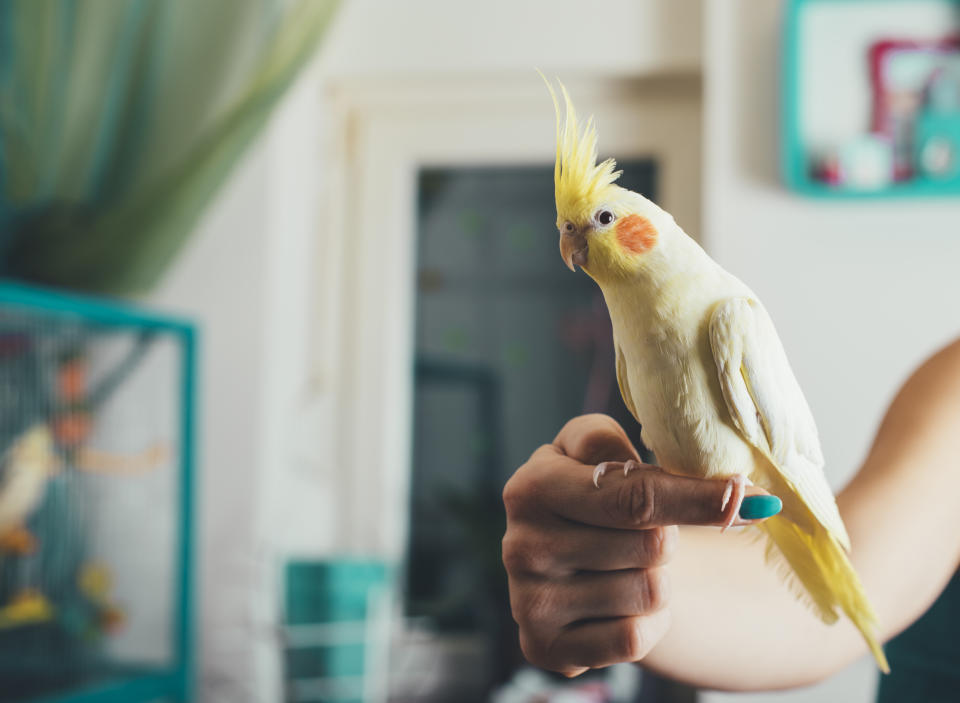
(860, 292)
(246, 278)
(436, 37)
(219, 282)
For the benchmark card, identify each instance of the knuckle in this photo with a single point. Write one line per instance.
(514, 492)
(635, 499)
(665, 587)
(597, 445)
(522, 488)
(510, 492)
(525, 555)
(631, 640)
(582, 424)
(644, 591)
(650, 548)
(516, 557)
(531, 606)
(658, 545)
(535, 649)
(668, 542)
(605, 425)
(568, 427)
(517, 603)
(542, 603)
(653, 591)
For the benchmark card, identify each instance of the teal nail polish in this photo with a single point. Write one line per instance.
(756, 507)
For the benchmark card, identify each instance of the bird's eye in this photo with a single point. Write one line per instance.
(604, 217)
(568, 227)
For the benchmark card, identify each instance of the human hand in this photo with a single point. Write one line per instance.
(586, 565)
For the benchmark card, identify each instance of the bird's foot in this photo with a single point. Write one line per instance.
(18, 540)
(600, 471)
(27, 606)
(602, 468)
(733, 496)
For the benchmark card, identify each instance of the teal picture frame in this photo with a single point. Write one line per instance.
(177, 681)
(794, 162)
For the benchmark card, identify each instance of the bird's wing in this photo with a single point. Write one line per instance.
(624, 383)
(767, 405)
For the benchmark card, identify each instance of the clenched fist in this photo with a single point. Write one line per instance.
(588, 566)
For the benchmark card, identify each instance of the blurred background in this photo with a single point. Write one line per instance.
(350, 205)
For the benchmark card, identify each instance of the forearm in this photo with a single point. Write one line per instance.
(737, 625)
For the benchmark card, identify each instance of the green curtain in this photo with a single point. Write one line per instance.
(119, 119)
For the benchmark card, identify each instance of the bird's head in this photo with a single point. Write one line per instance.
(608, 231)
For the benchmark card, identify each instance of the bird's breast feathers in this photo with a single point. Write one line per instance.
(681, 410)
(674, 387)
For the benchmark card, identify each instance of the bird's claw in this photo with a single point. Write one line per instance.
(600, 471)
(603, 467)
(733, 496)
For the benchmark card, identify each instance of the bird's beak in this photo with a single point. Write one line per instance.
(574, 249)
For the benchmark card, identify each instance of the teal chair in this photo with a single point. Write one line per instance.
(336, 631)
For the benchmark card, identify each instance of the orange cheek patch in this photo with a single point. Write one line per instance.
(636, 234)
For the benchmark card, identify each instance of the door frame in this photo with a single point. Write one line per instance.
(378, 134)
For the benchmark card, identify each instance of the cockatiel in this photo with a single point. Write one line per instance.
(24, 471)
(701, 368)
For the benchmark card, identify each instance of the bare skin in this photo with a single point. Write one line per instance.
(599, 576)
(585, 560)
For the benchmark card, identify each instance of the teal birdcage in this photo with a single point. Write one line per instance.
(96, 441)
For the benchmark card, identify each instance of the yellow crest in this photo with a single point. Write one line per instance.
(580, 182)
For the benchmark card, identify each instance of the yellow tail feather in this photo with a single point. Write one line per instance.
(826, 577)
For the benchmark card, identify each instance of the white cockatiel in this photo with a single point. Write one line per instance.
(702, 369)
(24, 471)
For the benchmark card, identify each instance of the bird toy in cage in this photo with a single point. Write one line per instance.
(36, 487)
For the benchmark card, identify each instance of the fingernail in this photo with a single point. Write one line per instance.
(759, 507)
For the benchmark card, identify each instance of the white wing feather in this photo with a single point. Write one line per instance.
(767, 405)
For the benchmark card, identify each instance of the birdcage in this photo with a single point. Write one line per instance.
(95, 523)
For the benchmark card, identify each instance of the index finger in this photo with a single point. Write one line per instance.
(595, 438)
(648, 497)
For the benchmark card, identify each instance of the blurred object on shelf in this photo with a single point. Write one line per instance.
(871, 97)
(868, 162)
(864, 163)
(826, 168)
(938, 148)
(902, 73)
(938, 126)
